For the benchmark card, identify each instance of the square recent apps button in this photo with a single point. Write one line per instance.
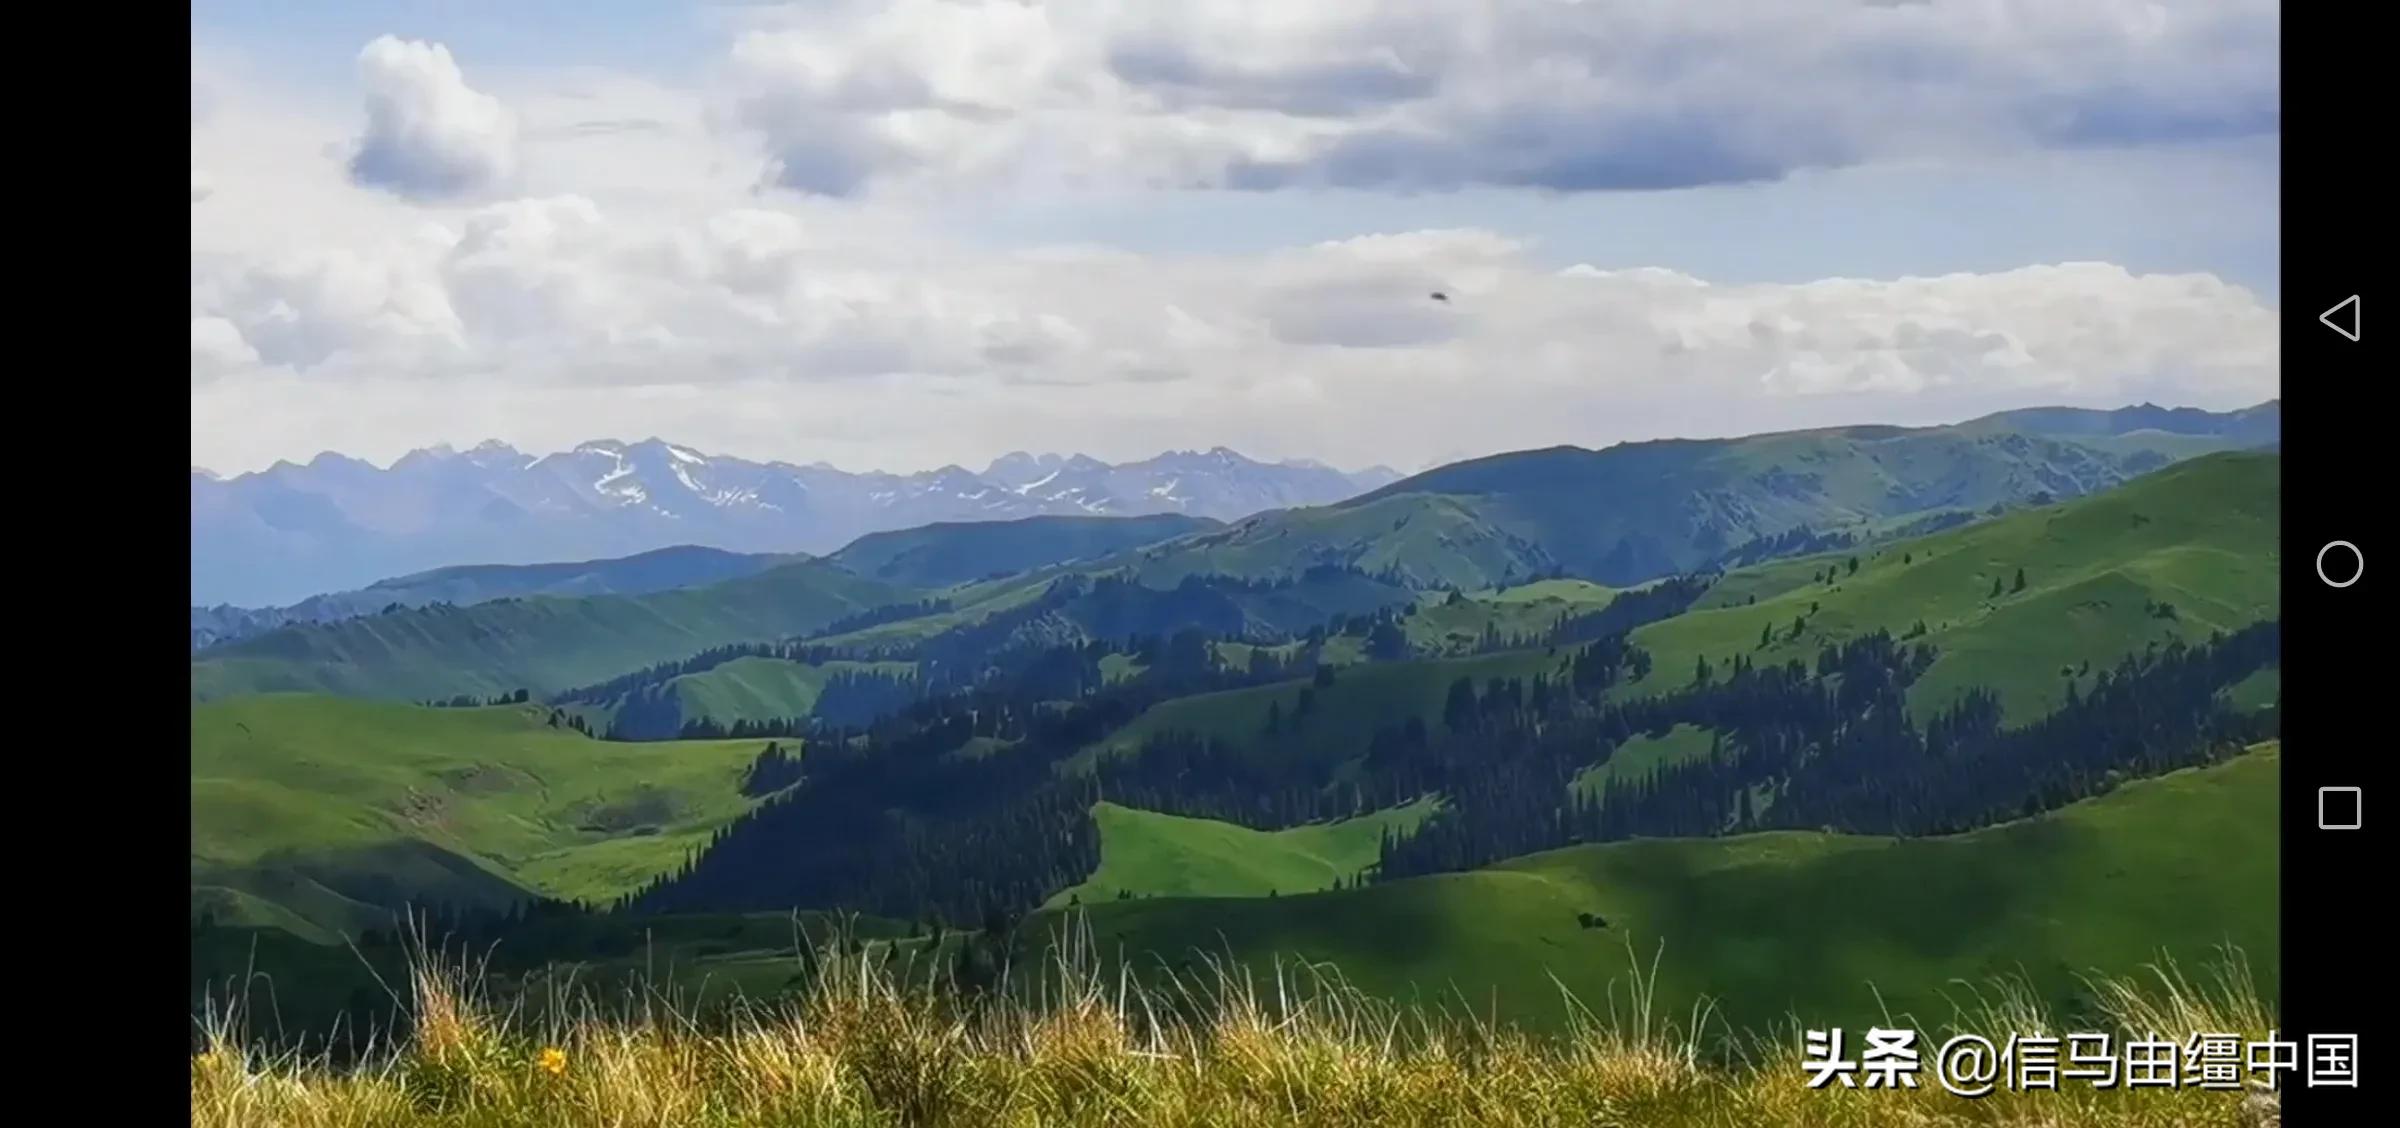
(2339, 808)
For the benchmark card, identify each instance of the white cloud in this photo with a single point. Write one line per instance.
(429, 135)
(1570, 95)
(218, 348)
(566, 254)
(754, 329)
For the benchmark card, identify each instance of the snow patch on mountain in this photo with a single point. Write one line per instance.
(494, 504)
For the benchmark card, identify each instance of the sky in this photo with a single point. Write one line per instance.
(900, 234)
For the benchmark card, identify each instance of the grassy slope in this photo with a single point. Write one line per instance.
(543, 644)
(948, 553)
(2201, 535)
(1437, 626)
(1640, 510)
(663, 569)
(766, 688)
(969, 605)
(1644, 754)
(1782, 924)
(1153, 609)
(1430, 540)
(1154, 855)
(1345, 715)
(324, 807)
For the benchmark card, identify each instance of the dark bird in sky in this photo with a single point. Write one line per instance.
(1440, 296)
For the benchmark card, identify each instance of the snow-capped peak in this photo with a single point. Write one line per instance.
(608, 496)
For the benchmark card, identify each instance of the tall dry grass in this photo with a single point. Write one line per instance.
(873, 1040)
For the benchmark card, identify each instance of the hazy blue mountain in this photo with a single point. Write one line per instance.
(661, 570)
(277, 536)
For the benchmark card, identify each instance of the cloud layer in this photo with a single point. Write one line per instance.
(1566, 95)
(769, 261)
(895, 344)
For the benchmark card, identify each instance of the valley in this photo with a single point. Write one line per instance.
(1493, 731)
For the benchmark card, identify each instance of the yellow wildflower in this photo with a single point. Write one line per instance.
(552, 1061)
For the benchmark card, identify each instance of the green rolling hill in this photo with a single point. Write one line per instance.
(318, 814)
(2200, 538)
(1829, 928)
(1640, 510)
(1146, 854)
(754, 689)
(543, 644)
(1438, 625)
(1643, 755)
(1109, 602)
(1338, 719)
(763, 689)
(663, 569)
(1426, 540)
(960, 552)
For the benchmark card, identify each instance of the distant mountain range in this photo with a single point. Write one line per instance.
(929, 556)
(664, 569)
(275, 537)
(1620, 516)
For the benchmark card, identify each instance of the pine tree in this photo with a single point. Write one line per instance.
(2020, 580)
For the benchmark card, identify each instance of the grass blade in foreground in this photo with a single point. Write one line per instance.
(873, 1041)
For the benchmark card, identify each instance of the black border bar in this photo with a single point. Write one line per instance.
(2338, 457)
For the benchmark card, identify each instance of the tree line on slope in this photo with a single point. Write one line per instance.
(1831, 748)
(965, 804)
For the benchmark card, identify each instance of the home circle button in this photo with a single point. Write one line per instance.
(2340, 564)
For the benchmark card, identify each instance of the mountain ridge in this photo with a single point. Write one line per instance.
(1635, 511)
(276, 536)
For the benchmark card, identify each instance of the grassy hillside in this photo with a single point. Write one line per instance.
(761, 689)
(1783, 924)
(1644, 754)
(1429, 541)
(318, 809)
(2201, 537)
(662, 570)
(1104, 603)
(1637, 511)
(1438, 625)
(542, 644)
(1340, 718)
(757, 689)
(1148, 854)
(948, 553)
